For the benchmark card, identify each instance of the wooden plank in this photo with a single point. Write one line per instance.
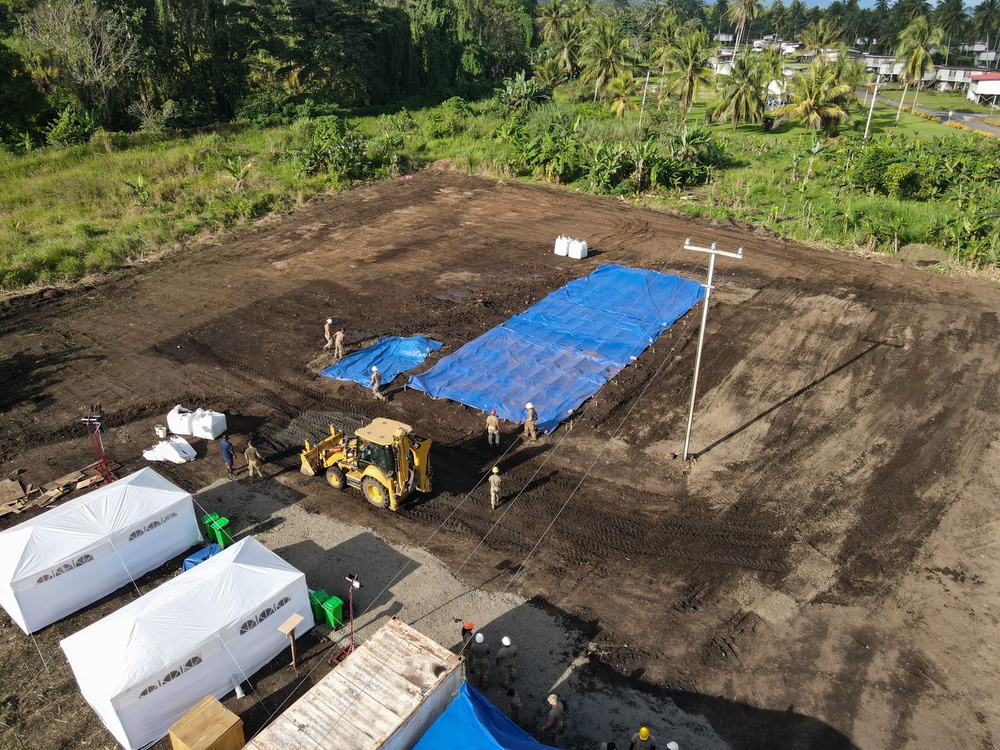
(49, 496)
(84, 483)
(10, 489)
(65, 480)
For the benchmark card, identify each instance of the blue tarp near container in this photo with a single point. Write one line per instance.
(200, 556)
(391, 355)
(473, 723)
(563, 349)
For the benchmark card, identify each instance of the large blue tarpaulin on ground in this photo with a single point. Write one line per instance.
(391, 355)
(473, 723)
(563, 349)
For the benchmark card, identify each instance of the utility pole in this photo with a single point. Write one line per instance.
(878, 77)
(712, 251)
(642, 107)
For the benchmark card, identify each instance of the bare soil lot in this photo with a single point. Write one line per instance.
(824, 575)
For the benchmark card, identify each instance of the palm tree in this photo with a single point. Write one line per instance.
(741, 95)
(951, 17)
(986, 19)
(553, 17)
(771, 64)
(604, 55)
(914, 53)
(664, 38)
(796, 15)
(624, 91)
(820, 36)
(818, 97)
(741, 13)
(689, 67)
(914, 9)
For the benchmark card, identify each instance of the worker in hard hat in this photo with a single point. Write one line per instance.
(375, 383)
(467, 628)
(328, 333)
(505, 661)
(529, 422)
(556, 721)
(494, 482)
(642, 740)
(480, 660)
(493, 428)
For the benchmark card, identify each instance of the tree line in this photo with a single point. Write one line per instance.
(67, 66)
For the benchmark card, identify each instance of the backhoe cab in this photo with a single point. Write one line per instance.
(384, 460)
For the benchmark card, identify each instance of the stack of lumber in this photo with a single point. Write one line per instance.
(15, 497)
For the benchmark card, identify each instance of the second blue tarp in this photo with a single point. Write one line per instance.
(471, 722)
(392, 355)
(563, 349)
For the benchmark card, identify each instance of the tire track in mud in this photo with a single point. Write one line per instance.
(584, 533)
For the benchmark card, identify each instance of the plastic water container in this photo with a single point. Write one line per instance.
(577, 250)
(160, 430)
(562, 245)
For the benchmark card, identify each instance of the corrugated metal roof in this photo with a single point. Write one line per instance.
(364, 701)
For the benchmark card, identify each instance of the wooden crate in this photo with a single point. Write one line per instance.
(207, 726)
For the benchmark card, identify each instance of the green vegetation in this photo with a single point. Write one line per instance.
(139, 125)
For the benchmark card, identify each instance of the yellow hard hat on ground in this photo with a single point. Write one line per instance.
(643, 733)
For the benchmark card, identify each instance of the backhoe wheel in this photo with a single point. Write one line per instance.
(335, 476)
(375, 492)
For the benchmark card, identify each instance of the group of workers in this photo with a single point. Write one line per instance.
(252, 456)
(493, 438)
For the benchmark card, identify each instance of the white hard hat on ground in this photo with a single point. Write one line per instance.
(505, 641)
(673, 746)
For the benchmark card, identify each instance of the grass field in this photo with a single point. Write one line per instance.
(938, 100)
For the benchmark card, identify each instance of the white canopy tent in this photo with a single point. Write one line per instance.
(64, 559)
(143, 667)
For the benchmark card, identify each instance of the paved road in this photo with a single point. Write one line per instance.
(972, 120)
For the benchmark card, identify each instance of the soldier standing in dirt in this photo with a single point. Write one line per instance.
(228, 455)
(556, 723)
(480, 660)
(493, 428)
(529, 422)
(338, 344)
(514, 702)
(505, 661)
(494, 482)
(376, 384)
(254, 460)
(327, 333)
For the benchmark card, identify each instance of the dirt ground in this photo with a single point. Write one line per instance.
(823, 575)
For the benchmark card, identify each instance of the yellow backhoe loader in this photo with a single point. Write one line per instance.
(384, 459)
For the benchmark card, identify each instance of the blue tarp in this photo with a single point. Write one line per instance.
(473, 723)
(391, 355)
(563, 349)
(200, 556)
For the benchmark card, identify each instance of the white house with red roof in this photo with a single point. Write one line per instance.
(985, 88)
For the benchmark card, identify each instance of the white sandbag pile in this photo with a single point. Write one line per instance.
(576, 249)
(201, 423)
(176, 450)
